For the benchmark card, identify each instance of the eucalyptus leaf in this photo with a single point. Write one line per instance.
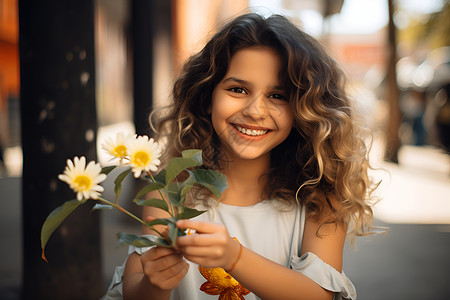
(186, 186)
(213, 180)
(162, 242)
(188, 213)
(191, 158)
(161, 221)
(152, 186)
(107, 170)
(173, 232)
(135, 240)
(118, 182)
(161, 177)
(153, 202)
(99, 206)
(173, 192)
(55, 218)
(194, 154)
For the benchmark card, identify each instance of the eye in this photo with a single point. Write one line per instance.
(278, 97)
(238, 90)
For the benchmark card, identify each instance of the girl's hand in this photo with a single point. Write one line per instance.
(164, 267)
(211, 246)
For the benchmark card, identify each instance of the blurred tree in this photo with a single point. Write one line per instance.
(432, 31)
(393, 140)
(56, 44)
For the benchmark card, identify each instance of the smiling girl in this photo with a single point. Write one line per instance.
(267, 106)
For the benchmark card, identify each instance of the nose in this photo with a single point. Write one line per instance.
(257, 107)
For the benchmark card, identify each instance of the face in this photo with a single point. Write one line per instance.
(250, 110)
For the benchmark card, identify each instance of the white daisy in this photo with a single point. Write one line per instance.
(83, 179)
(144, 155)
(118, 148)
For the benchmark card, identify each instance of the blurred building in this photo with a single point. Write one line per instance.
(9, 74)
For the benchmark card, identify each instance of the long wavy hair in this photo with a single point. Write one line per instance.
(323, 156)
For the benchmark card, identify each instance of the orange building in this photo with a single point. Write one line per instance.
(9, 64)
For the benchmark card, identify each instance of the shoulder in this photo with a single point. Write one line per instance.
(325, 235)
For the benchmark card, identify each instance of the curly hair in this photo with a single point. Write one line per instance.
(324, 156)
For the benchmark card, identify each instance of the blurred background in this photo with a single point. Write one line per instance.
(75, 72)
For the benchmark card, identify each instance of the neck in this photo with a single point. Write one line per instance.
(245, 185)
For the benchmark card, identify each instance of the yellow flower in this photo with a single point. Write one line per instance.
(144, 155)
(83, 179)
(219, 282)
(118, 148)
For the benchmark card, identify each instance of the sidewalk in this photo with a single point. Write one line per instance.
(411, 261)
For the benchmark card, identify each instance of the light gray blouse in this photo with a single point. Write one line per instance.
(268, 228)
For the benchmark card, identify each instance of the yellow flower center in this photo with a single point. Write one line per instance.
(120, 151)
(140, 158)
(82, 182)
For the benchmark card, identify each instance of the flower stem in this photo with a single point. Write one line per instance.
(172, 211)
(119, 208)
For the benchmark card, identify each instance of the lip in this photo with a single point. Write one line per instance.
(251, 127)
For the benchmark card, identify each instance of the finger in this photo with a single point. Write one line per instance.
(156, 253)
(202, 252)
(174, 279)
(198, 226)
(200, 240)
(170, 277)
(161, 264)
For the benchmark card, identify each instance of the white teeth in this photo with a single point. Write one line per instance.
(252, 132)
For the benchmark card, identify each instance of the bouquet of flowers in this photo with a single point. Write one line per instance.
(139, 154)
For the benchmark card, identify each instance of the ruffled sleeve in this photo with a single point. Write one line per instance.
(114, 291)
(325, 275)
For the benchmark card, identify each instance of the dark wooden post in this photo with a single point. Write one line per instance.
(142, 25)
(56, 43)
(393, 140)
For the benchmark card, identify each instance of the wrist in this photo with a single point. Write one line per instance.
(237, 256)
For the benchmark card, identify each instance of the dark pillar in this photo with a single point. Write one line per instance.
(142, 24)
(56, 43)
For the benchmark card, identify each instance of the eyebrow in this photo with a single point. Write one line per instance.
(244, 82)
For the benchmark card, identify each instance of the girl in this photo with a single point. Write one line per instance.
(267, 107)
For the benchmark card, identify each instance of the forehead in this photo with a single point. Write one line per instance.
(259, 63)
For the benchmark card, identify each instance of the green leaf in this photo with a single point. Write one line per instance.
(213, 180)
(161, 177)
(163, 243)
(99, 206)
(173, 233)
(173, 192)
(154, 202)
(161, 221)
(187, 185)
(134, 240)
(107, 170)
(54, 219)
(118, 182)
(153, 186)
(194, 154)
(191, 158)
(188, 213)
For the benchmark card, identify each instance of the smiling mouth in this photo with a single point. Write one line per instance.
(250, 132)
